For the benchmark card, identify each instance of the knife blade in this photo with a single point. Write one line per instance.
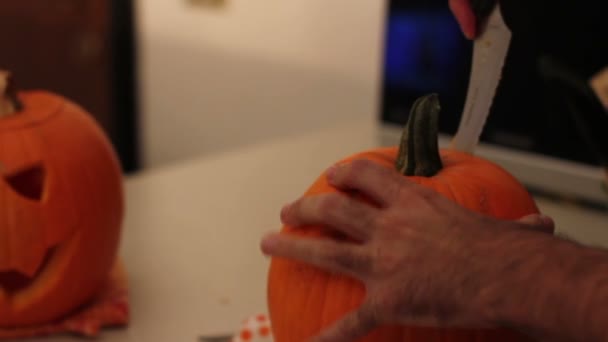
(489, 54)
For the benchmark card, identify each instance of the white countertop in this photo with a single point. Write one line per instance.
(192, 231)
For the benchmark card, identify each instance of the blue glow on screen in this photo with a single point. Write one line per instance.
(423, 49)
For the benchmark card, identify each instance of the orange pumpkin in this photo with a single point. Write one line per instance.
(61, 206)
(303, 300)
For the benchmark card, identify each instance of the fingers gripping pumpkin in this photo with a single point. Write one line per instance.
(303, 300)
(61, 206)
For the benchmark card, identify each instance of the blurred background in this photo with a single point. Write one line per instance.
(175, 80)
(81, 49)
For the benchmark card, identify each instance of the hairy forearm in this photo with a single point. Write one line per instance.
(550, 288)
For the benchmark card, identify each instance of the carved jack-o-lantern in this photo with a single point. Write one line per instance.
(61, 206)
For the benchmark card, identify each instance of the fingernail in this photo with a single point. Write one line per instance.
(269, 241)
(285, 211)
(470, 33)
(332, 172)
(548, 221)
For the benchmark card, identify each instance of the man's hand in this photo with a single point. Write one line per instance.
(422, 258)
(466, 18)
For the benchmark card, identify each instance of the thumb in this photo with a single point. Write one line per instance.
(466, 18)
(352, 327)
(538, 222)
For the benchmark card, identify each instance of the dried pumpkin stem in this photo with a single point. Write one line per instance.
(9, 101)
(419, 148)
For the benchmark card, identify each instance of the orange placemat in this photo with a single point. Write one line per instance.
(109, 309)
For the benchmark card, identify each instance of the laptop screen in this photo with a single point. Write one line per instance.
(425, 52)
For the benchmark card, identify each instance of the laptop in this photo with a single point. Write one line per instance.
(547, 134)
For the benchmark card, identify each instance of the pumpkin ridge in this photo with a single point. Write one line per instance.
(52, 173)
(469, 186)
(33, 121)
(320, 280)
(448, 187)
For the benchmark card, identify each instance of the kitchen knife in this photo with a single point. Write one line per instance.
(489, 54)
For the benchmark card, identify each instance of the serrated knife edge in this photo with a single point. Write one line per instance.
(489, 54)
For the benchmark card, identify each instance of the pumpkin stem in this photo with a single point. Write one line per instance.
(9, 100)
(419, 148)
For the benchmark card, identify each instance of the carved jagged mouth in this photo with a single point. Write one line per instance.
(14, 281)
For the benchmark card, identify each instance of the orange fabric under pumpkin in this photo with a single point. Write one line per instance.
(109, 309)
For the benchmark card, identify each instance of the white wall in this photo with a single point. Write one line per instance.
(213, 80)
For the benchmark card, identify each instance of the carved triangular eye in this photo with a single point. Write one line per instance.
(28, 182)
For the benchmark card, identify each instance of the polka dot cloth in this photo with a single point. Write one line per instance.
(254, 329)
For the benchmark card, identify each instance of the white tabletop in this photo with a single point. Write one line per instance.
(192, 231)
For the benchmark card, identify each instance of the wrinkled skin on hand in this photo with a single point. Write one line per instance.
(452, 250)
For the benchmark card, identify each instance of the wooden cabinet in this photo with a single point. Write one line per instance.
(82, 49)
